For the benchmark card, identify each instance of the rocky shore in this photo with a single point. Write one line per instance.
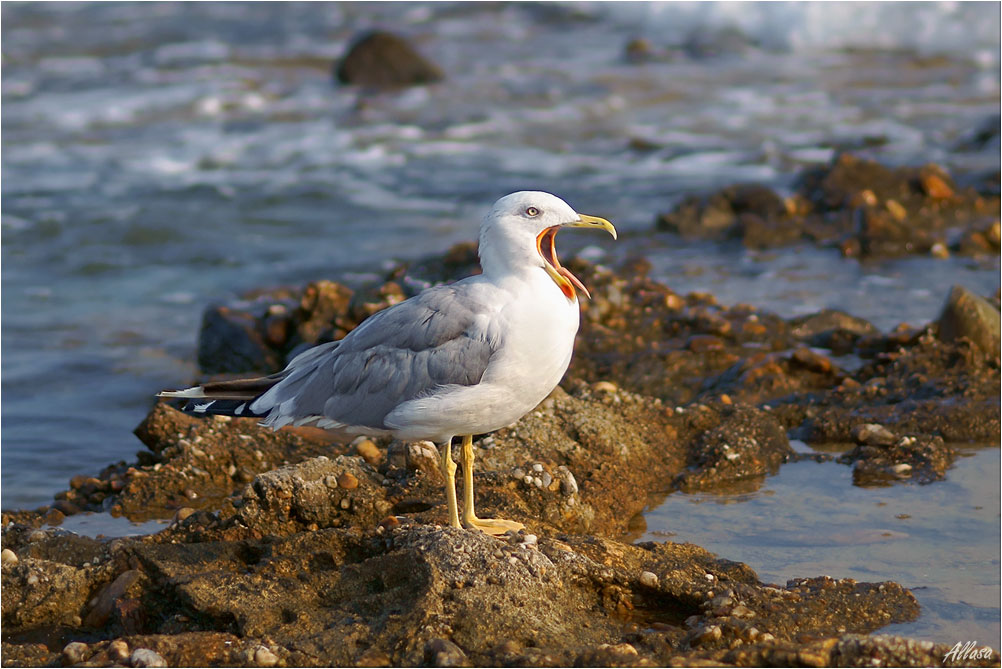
(286, 549)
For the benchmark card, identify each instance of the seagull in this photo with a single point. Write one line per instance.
(460, 359)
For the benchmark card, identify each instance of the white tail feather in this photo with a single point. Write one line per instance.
(196, 392)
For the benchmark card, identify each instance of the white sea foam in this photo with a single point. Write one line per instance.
(957, 27)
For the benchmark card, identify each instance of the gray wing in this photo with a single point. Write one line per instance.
(439, 338)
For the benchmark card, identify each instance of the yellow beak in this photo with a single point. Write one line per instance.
(585, 221)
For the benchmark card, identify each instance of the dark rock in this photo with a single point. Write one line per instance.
(717, 216)
(968, 315)
(230, 342)
(746, 445)
(919, 459)
(382, 59)
(860, 206)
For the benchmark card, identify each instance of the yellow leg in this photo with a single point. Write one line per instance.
(470, 520)
(449, 472)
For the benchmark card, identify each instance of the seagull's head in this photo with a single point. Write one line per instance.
(520, 231)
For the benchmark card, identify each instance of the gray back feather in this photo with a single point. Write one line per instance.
(439, 338)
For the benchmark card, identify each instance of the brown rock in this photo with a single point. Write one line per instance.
(347, 481)
(972, 316)
(383, 59)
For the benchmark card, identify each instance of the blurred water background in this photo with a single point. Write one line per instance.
(160, 156)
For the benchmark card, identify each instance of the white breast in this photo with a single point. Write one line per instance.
(540, 324)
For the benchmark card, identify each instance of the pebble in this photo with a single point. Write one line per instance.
(527, 479)
(75, 652)
(144, 657)
(538, 468)
(118, 651)
(939, 250)
(742, 611)
(263, 657)
(604, 387)
(529, 540)
(568, 484)
(7, 556)
(896, 210)
(345, 503)
(902, 469)
(32, 579)
(649, 579)
(547, 479)
(538, 482)
(873, 434)
(369, 451)
(518, 473)
(183, 513)
(347, 480)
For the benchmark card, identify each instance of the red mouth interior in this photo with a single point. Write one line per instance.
(546, 242)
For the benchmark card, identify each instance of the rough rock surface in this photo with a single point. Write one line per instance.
(287, 549)
(863, 208)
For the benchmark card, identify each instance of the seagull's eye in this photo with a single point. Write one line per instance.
(532, 212)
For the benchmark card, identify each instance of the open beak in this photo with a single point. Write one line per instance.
(546, 245)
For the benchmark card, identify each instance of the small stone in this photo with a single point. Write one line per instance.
(371, 453)
(444, 653)
(144, 657)
(940, 251)
(935, 185)
(529, 539)
(708, 635)
(536, 481)
(538, 468)
(32, 580)
(873, 434)
(7, 556)
(518, 473)
(75, 652)
(649, 579)
(547, 479)
(568, 484)
(263, 657)
(742, 611)
(345, 503)
(347, 480)
(726, 399)
(183, 513)
(603, 387)
(896, 210)
(902, 469)
(118, 651)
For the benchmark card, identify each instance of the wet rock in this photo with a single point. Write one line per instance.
(718, 215)
(230, 342)
(920, 459)
(832, 329)
(859, 206)
(746, 444)
(381, 59)
(968, 315)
